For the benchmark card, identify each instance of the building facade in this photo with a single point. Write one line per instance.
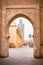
(30, 9)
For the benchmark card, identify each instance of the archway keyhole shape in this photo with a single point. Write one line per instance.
(28, 27)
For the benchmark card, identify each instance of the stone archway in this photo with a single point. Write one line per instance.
(25, 20)
(11, 13)
(36, 49)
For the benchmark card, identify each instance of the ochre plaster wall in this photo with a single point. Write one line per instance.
(0, 25)
(41, 30)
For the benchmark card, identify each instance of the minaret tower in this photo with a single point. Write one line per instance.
(21, 31)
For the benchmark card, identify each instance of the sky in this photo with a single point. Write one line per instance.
(28, 27)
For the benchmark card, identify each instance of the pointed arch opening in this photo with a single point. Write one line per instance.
(20, 38)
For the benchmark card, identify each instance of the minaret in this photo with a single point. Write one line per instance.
(21, 31)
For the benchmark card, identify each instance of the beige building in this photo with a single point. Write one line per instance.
(12, 34)
(14, 40)
(30, 9)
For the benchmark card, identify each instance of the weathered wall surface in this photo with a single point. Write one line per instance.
(41, 2)
(41, 30)
(21, 2)
(8, 13)
(0, 25)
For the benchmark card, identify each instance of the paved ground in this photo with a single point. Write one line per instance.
(24, 51)
(21, 57)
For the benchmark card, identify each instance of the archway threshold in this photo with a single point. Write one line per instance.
(24, 51)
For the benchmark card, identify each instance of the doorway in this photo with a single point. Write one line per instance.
(21, 40)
